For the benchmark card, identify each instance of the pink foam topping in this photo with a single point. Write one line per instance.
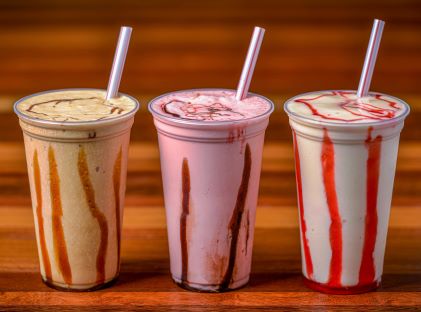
(210, 105)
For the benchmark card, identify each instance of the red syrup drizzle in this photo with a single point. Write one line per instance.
(335, 230)
(356, 107)
(306, 248)
(341, 290)
(367, 269)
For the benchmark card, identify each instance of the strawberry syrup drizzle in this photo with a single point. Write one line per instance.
(356, 107)
(367, 269)
(335, 229)
(306, 248)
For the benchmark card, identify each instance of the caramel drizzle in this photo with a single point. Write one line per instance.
(185, 206)
(59, 242)
(96, 213)
(118, 109)
(116, 183)
(235, 223)
(58, 101)
(41, 234)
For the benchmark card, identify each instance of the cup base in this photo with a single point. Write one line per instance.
(351, 290)
(210, 288)
(78, 288)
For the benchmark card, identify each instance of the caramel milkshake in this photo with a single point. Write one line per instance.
(211, 152)
(76, 147)
(345, 156)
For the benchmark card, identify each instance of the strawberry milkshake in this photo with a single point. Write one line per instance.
(211, 152)
(345, 157)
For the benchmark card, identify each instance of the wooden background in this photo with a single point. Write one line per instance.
(309, 45)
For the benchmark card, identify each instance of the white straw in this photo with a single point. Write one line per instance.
(118, 63)
(250, 63)
(370, 58)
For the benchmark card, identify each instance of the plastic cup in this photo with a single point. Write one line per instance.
(77, 175)
(344, 174)
(210, 173)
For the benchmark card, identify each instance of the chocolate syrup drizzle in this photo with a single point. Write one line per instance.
(247, 231)
(200, 111)
(233, 227)
(356, 107)
(236, 218)
(185, 211)
(56, 102)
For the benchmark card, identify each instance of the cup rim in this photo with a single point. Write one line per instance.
(320, 123)
(71, 124)
(202, 123)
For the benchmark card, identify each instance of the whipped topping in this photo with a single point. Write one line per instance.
(345, 106)
(75, 105)
(210, 105)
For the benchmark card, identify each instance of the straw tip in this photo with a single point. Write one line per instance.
(126, 29)
(259, 28)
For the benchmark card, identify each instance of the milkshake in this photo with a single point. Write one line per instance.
(211, 152)
(345, 157)
(76, 147)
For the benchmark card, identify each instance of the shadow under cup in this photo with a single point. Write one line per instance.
(344, 174)
(210, 173)
(77, 175)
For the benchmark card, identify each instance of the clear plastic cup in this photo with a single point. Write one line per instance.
(77, 176)
(210, 173)
(344, 174)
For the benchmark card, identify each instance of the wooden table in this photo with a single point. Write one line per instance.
(176, 45)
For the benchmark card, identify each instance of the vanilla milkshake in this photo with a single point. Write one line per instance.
(76, 147)
(345, 157)
(211, 152)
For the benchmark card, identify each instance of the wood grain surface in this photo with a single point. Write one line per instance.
(309, 45)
